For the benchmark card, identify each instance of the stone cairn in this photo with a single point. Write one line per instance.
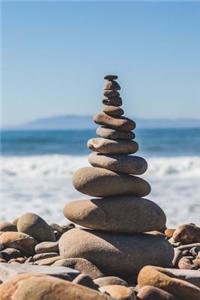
(122, 235)
(117, 218)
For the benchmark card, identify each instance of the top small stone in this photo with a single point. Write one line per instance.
(110, 77)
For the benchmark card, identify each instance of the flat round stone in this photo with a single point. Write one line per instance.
(117, 254)
(110, 77)
(121, 123)
(114, 134)
(113, 110)
(111, 93)
(107, 146)
(117, 214)
(100, 182)
(115, 101)
(112, 85)
(128, 164)
(187, 234)
(45, 247)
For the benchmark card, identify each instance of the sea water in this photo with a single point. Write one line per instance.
(37, 166)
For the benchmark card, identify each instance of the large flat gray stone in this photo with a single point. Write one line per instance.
(9, 270)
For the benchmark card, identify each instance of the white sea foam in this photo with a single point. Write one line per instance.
(43, 184)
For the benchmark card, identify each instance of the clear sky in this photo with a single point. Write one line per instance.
(55, 55)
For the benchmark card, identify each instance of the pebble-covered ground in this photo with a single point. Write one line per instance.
(36, 255)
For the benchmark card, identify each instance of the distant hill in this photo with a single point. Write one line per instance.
(58, 122)
(85, 122)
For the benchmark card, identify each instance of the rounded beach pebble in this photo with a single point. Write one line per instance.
(82, 265)
(18, 240)
(36, 227)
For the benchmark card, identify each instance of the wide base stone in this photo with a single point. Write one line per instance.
(116, 254)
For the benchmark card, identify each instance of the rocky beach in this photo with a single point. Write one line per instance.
(113, 242)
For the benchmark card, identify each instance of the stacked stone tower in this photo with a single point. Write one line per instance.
(118, 218)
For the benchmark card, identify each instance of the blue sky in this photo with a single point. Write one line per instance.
(55, 55)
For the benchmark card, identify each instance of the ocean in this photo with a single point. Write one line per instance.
(37, 166)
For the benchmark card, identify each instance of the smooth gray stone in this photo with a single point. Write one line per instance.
(108, 146)
(189, 246)
(82, 265)
(45, 247)
(99, 182)
(121, 163)
(116, 254)
(122, 214)
(153, 293)
(9, 270)
(35, 226)
(114, 134)
(110, 280)
(114, 111)
(121, 123)
(192, 276)
(85, 280)
(41, 256)
(47, 261)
